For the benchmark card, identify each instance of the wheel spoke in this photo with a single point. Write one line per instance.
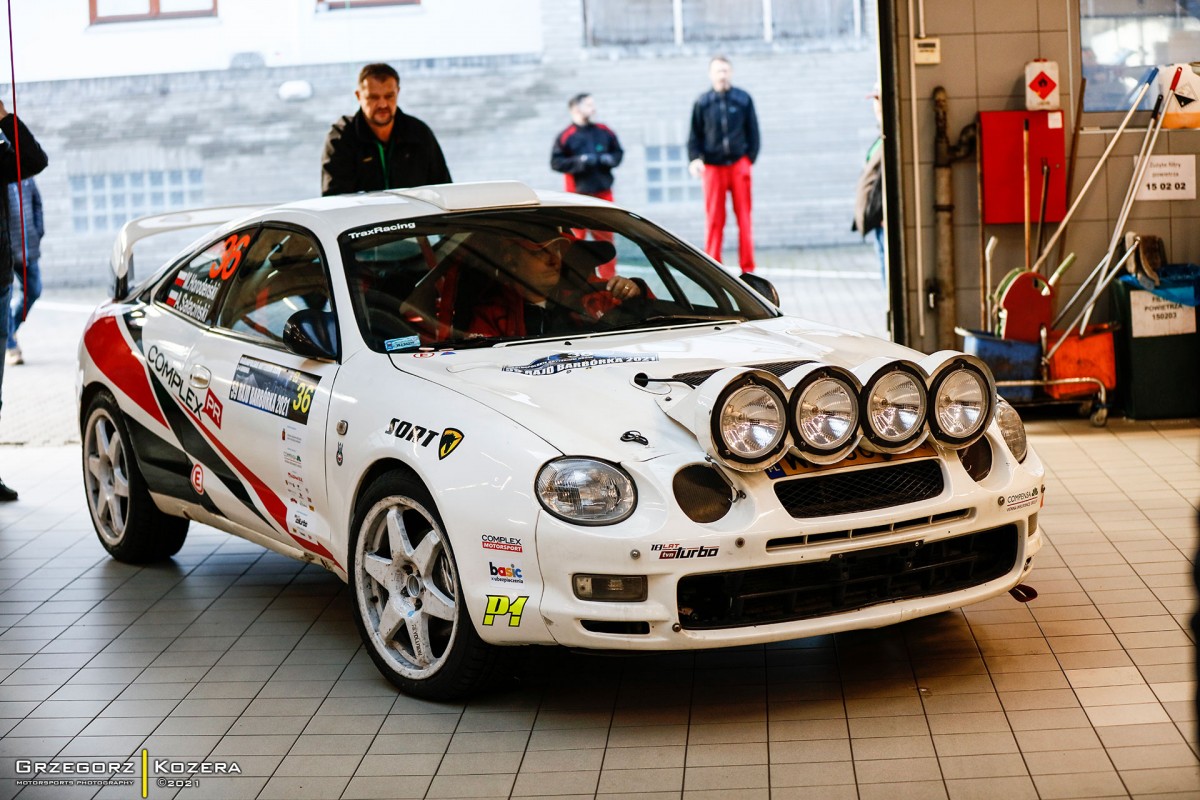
(418, 634)
(93, 464)
(102, 438)
(397, 534)
(391, 619)
(120, 485)
(114, 448)
(426, 551)
(114, 514)
(380, 569)
(103, 505)
(436, 604)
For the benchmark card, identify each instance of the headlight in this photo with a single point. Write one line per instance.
(893, 408)
(962, 395)
(1013, 429)
(823, 411)
(749, 422)
(585, 491)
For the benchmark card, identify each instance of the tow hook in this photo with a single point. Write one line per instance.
(1022, 593)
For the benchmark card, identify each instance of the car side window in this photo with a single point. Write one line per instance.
(280, 273)
(195, 286)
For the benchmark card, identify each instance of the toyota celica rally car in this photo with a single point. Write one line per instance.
(365, 383)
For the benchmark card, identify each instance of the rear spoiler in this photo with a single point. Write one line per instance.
(135, 230)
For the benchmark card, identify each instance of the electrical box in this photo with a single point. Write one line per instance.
(1002, 158)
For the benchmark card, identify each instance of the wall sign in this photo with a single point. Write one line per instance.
(1169, 178)
(1151, 315)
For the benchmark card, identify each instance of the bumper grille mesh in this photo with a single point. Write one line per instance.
(861, 490)
(846, 582)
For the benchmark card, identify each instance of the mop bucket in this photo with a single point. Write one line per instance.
(1092, 355)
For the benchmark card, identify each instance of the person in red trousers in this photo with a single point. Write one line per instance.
(722, 147)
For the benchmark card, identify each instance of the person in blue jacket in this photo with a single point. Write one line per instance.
(26, 254)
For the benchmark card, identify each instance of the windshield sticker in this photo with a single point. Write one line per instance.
(192, 295)
(565, 362)
(277, 390)
(403, 343)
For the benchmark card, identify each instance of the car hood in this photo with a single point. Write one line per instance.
(583, 396)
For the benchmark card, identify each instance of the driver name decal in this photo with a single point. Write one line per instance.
(277, 390)
(565, 362)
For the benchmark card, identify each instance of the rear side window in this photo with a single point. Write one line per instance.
(195, 287)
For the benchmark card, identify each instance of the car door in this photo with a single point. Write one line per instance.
(267, 407)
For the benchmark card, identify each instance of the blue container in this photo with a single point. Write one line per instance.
(1009, 360)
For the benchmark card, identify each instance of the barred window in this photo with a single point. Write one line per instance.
(342, 5)
(138, 10)
(103, 202)
(667, 178)
(643, 22)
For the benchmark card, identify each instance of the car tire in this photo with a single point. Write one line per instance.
(130, 527)
(409, 604)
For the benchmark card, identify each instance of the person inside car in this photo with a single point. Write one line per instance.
(537, 296)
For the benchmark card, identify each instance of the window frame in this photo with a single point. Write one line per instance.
(323, 6)
(154, 13)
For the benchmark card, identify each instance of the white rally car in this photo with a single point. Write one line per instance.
(643, 454)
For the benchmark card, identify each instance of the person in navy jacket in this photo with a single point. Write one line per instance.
(722, 147)
(586, 153)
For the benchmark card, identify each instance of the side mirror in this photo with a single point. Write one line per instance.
(762, 286)
(311, 333)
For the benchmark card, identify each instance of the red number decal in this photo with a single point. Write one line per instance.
(231, 258)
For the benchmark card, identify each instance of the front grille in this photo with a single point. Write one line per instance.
(846, 582)
(861, 490)
(800, 540)
(777, 369)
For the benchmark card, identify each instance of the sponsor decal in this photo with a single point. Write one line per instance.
(510, 574)
(403, 343)
(300, 523)
(499, 605)
(673, 550)
(277, 390)
(565, 362)
(395, 226)
(291, 444)
(171, 375)
(198, 479)
(431, 354)
(1019, 501)
(451, 438)
(339, 454)
(507, 543)
(213, 408)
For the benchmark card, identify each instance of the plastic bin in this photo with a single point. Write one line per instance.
(1089, 356)
(1158, 349)
(1009, 360)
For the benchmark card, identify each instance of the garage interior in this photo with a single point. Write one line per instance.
(233, 655)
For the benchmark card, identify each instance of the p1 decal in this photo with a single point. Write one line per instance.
(499, 605)
(198, 479)
(451, 438)
(277, 390)
(213, 408)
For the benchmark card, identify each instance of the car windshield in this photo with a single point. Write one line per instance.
(484, 279)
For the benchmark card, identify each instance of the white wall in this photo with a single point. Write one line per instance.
(54, 40)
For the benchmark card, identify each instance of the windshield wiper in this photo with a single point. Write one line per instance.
(686, 318)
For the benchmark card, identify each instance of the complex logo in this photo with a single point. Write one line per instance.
(499, 605)
(679, 551)
(505, 543)
(213, 408)
(565, 362)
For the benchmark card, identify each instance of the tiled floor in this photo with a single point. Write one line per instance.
(231, 654)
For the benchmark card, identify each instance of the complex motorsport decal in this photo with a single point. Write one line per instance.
(277, 390)
(507, 543)
(565, 362)
(499, 605)
(673, 550)
(406, 431)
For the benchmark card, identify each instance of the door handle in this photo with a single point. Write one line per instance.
(200, 377)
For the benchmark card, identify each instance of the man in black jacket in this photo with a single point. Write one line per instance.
(722, 146)
(586, 153)
(32, 161)
(380, 147)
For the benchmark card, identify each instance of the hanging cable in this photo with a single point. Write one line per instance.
(12, 66)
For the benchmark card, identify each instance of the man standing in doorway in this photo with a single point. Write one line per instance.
(586, 153)
(722, 147)
(380, 147)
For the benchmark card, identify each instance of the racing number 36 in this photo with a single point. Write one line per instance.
(304, 395)
(231, 257)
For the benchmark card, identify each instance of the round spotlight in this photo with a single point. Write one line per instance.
(750, 421)
(963, 400)
(824, 414)
(893, 408)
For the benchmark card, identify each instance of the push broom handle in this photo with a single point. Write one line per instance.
(1062, 226)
